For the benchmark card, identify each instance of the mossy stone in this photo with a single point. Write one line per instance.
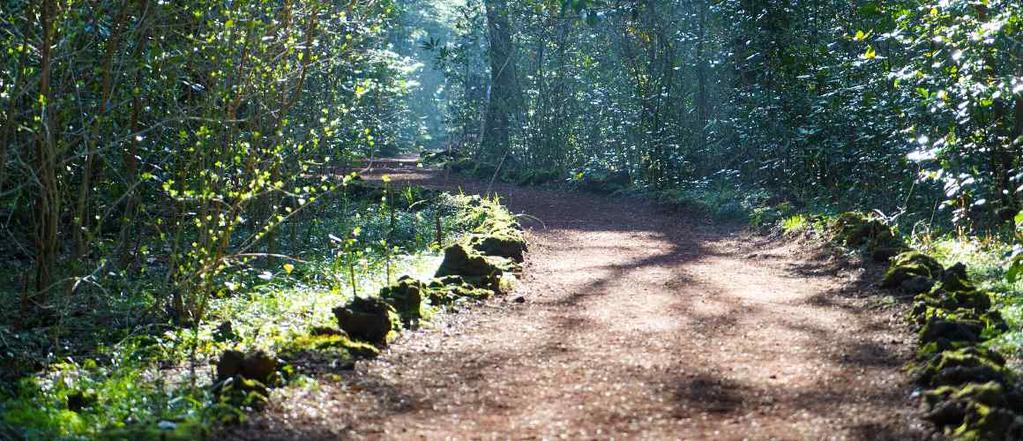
(230, 364)
(909, 265)
(335, 342)
(860, 230)
(369, 319)
(406, 297)
(535, 177)
(244, 379)
(439, 158)
(955, 278)
(916, 285)
(258, 366)
(963, 366)
(986, 423)
(950, 405)
(938, 297)
(856, 229)
(460, 165)
(976, 300)
(473, 267)
(151, 430)
(922, 313)
(449, 289)
(951, 330)
(507, 243)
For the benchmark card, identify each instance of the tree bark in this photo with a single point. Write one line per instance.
(48, 197)
(82, 212)
(505, 95)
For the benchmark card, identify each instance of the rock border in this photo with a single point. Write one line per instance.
(968, 392)
(483, 264)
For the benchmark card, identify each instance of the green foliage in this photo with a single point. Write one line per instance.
(985, 260)
(795, 224)
(143, 387)
(1015, 271)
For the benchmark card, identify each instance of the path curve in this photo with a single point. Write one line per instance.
(638, 323)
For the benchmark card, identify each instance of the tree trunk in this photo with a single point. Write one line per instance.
(505, 95)
(82, 212)
(48, 198)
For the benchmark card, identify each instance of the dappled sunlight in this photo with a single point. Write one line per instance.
(645, 326)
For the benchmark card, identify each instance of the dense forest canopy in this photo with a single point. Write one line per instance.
(188, 130)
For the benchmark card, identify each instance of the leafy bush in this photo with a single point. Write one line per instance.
(795, 224)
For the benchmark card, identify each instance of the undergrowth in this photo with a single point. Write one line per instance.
(986, 258)
(124, 370)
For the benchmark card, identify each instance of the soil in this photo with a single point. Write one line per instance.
(632, 321)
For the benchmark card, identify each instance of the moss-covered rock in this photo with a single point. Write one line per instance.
(991, 320)
(506, 242)
(602, 181)
(473, 267)
(955, 278)
(962, 366)
(369, 319)
(973, 299)
(406, 297)
(860, 230)
(505, 265)
(976, 411)
(948, 405)
(152, 430)
(440, 157)
(244, 379)
(339, 344)
(450, 289)
(938, 297)
(985, 423)
(911, 265)
(258, 366)
(944, 332)
(917, 285)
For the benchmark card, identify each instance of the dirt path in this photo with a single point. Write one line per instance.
(637, 324)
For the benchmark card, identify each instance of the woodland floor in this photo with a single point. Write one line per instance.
(638, 322)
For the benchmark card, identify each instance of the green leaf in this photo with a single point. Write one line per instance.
(1015, 270)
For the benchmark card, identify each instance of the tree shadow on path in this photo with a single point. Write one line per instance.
(638, 323)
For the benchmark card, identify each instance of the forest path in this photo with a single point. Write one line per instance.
(637, 323)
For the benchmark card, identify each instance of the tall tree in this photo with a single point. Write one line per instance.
(505, 97)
